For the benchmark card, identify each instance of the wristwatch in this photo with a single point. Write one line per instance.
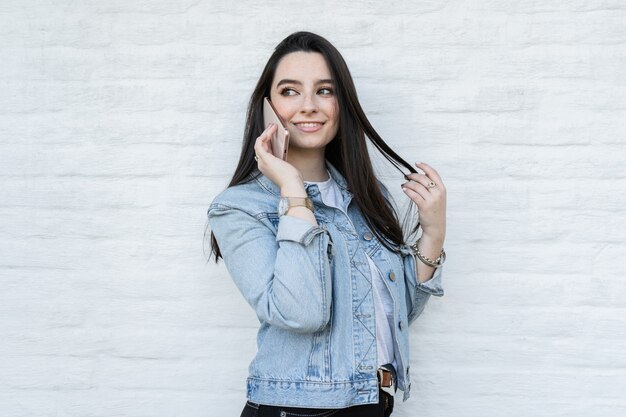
(286, 203)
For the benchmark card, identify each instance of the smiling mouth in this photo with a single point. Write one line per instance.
(309, 127)
(308, 124)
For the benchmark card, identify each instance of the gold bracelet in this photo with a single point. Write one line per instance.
(437, 263)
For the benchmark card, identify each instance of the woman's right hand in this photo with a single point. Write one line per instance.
(282, 173)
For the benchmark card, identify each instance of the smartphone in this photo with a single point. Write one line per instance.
(280, 140)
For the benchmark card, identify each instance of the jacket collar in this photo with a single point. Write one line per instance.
(269, 185)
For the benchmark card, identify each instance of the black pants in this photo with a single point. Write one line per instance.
(382, 409)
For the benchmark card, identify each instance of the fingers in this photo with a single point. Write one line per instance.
(416, 191)
(430, 179)
(424, 188)
(430, 173)
(262, 145)
(422, 180)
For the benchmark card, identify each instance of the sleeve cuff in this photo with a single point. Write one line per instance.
(297, 230)
(433, 285)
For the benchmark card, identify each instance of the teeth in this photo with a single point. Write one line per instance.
(309, 124)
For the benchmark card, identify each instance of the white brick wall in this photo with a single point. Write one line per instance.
(120, 120)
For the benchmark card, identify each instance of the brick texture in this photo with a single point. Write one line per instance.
(120, 120)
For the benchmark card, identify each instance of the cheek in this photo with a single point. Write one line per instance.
(329, 107)
(334, 112)
(280, 104)
(285, 108)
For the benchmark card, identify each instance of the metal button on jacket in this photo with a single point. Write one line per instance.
(367, 236)
(392, 276)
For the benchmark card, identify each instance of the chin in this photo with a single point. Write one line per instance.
(309, 141)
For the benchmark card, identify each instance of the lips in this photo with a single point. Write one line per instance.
(309, 126)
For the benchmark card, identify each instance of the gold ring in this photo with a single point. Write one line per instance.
(432, 184)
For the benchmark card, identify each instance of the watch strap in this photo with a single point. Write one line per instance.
(290, 202)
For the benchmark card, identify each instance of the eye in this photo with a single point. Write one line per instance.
(288, 91)
(325, 91)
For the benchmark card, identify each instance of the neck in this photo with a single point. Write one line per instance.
(310, 163)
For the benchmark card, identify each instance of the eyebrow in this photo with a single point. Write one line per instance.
(288, 81)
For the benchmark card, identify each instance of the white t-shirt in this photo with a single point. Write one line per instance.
(383, 303)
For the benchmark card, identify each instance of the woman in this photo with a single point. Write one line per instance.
(316, 248)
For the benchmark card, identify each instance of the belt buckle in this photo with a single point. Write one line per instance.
(386, 382)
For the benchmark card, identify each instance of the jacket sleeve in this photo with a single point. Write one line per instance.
(418, 293)
(286, 276)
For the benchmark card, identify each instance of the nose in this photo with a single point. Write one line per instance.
(309, 104)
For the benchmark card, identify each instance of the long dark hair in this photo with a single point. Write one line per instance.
(347, 151)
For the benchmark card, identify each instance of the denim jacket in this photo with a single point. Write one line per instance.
(311, 289)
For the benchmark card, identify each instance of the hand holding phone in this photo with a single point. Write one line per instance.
(280, 141)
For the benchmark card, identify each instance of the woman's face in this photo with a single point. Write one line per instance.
(303, 94)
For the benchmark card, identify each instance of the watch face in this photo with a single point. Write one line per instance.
(283, 206)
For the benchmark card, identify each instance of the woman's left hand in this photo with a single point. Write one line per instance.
(429, 193)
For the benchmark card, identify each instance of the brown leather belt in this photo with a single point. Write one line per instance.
(386, 380)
